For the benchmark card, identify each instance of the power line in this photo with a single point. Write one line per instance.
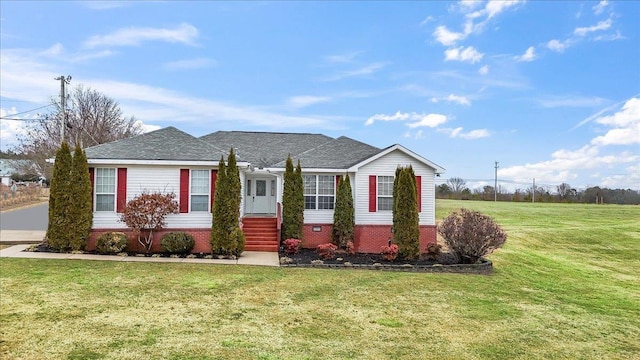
(17, 119)
(28, 111)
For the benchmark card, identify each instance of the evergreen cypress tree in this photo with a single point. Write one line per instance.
(219, 209)
(60, 201)
(288, 202)
(81, 212)
(395, 195)
(299, 202)
(236, 236)
(406, 218)
(344, 214)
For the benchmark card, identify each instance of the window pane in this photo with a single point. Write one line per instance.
(248, 187)
(325, 202)
(261, 187)
(309, 184)
(385, 203)
(105, 181)
(199, 203)
(326, 184)
(199, 181)
(309, 202)
(385, 185)
(105, 202)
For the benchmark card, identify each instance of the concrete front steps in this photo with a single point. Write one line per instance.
(261, 234)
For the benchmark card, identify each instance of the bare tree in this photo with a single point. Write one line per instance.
(92, 118)
(456, 184)
(564, 190)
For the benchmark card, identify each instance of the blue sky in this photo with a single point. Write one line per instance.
(550, 90)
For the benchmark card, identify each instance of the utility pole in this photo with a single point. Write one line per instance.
(495, 184)
(533, 192)
(63, 104)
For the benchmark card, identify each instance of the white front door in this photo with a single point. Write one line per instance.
(260, 195)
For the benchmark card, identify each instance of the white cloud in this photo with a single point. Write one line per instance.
(306, 100)
(598, 9)
(10, 130)
(570, 101)
(417, 135)
(362, 71)
(427, 20)
(528, 55)
(188, 64)
(418, 120)
(133, 36)
(469, 54)
(342, 58)
(429, 120)
(147, 127)
(468, 5)
(446, 37)
(453, 98)
(602, 25)
(625, 123)
(495, 7)
(557, 45)
(104, 5)
(470, 135)
(609, 37)
(484, 70)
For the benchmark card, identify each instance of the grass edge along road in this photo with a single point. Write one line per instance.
(565, 286)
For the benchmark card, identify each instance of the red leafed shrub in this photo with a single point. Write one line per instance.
(351, 248)
(146, 213)
(433, 251)
(390, 252)
(327, 251)
(291, 246)
(470, 235)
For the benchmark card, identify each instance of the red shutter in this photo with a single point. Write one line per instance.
(419, 191)
(93, 186)
(184, 190)
(214, 177)
(121, 197)
(372, 193)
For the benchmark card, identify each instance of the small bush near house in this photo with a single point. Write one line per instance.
(471, 235)
(177, 243)
(433, 251)
(327, 251)
(291, 246)
(351, 248)
(390, 252)
(112, 243)
(239, 239)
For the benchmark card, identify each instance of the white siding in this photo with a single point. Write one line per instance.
(325, 216)
(165, 179)
(386, 166)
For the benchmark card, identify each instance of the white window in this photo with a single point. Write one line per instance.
(200, 190)
(385, 193)
(319, 192)
(105, 189)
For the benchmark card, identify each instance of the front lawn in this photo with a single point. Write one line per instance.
(564, 286)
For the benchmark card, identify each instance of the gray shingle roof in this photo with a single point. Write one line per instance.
(264, 149)
(164, 144)
(340, 153)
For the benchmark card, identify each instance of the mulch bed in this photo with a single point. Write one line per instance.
(444, 262)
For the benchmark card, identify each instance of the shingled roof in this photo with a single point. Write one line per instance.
(165, 144)
(264, 149)
(340, 153)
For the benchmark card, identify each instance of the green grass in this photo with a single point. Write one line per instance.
(565, 286)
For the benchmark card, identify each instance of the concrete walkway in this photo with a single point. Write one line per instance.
(260, 258)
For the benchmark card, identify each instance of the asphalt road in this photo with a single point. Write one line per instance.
(31, 218)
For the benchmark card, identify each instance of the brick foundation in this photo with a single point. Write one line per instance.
(201, 237)
(368, 238)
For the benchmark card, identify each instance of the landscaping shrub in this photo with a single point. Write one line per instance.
(327, 251)
(81, 210)
(239, 240)
(470, 235)
(351, 248)
(177, 243)
(343, 214)
(389, 252)
(146, 213)
(112, 243)
(60, 201)
(433, 251)
(406, 228)
(292, 201)
(291, 246)
(226, 237)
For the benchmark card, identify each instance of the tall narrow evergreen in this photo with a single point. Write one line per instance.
(60, 200)
(81, 214)
(226, 236)
(344, 214)
(288, 202)
(406, 218)
(219, 209)
(299, 201)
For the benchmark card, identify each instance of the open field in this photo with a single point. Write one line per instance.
(565, 286)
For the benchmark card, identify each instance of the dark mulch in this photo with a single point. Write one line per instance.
(43, 247)
(306, 256)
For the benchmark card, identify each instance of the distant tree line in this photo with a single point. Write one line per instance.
(455, 188)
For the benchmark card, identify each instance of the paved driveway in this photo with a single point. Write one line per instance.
(34, 218)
